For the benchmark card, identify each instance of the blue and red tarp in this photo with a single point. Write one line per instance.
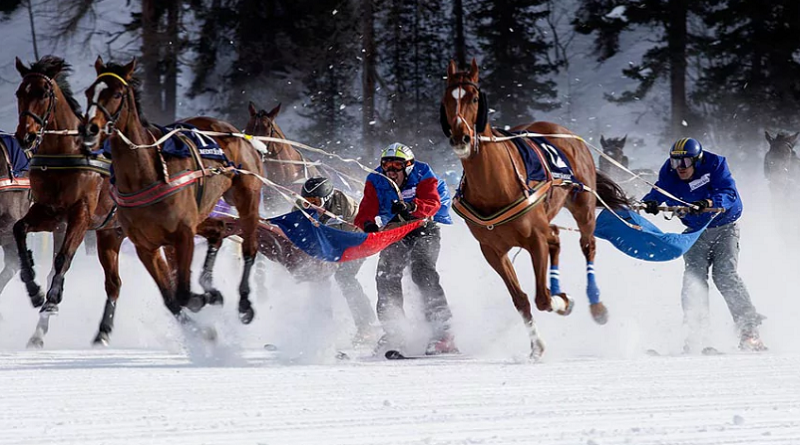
(324, 242)
(331, 244)
(649, 243)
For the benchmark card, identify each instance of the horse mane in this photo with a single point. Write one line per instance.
(136, 86)
(58, 70)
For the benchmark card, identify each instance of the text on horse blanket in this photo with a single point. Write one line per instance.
(557, 164)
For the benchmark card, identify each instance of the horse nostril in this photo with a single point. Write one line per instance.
(465, 139)
(29, 139)
(93, 129)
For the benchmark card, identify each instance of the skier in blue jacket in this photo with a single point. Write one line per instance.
(703, 179)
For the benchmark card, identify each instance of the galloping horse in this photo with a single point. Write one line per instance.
(493, 185)
(15, 200)
(165, 200)
(69, 186)
(283, 164)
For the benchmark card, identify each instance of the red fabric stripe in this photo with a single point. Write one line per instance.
(147, 196)
(378, 241)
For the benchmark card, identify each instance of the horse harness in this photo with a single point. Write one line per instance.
(172, 183)
(529, 198)
(12, 183)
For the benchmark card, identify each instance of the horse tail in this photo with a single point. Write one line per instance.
(610, 192)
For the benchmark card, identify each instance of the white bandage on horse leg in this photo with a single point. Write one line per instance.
(557, 303)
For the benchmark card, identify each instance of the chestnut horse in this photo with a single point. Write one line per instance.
(491, 184)
(15, 200)
(164, 201)
(283, 164)
(69, 187)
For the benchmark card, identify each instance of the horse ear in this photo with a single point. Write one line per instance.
(443, 120)
(624, 139)
(770, 139)
(473, 70)
(129, 69)
(602, 141)
(99, 65)
(793, 138)
(273, 113)
(251, 107)
(23, 70)
(452, 69)
(483, 114)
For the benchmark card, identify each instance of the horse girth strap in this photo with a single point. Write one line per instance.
(525, 203)
(198, 160)
(160, 191)
(43, 163)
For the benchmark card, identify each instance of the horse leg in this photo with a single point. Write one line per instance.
(184, 251)
(11, 266)
(246, 197)
(502, 265)
(37, 219)
(584, 216)
(108, 244)
(212, 230)
(77, 223)
(561, 303)
(58, 240)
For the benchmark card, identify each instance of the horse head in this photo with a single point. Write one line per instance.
(262, 123)
(780, 162)
(110, 100)
(43, 84)
(463, 112)
(614, 148)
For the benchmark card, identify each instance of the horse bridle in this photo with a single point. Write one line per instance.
(260, 115)
(111, 119)
(45, 119)
(473, 129)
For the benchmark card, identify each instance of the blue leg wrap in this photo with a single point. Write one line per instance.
(592, 291)
(555, 281)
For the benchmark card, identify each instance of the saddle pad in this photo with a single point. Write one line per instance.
(206, 146)
(557, 164)
(19, 162)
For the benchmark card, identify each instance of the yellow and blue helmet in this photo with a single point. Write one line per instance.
(685, 152)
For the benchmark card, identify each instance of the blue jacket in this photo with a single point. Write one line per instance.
(422, 187)
(711, 180)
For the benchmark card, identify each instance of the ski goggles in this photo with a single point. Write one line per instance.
(313, 200)
(677, 163)
(393, 165)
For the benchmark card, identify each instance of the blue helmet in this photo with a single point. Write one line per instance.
(686, 148)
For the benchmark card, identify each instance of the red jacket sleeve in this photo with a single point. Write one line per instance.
(428, 201)
(368, 209)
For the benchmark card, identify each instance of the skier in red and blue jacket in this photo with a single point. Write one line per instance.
(424, 196)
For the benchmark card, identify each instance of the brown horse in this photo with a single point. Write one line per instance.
(15, 200)
(164, 200)
(615, 149)
(492, 183)
(69, 187)
(283, 164)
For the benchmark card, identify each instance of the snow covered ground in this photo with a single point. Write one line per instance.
(151, 397)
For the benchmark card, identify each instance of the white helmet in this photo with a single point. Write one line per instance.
(398, 152)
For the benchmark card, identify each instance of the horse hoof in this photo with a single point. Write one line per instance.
(35, 343)
(599, 313)
(246, 316)
(101, 340)
(38, 299)
(568, 304)
(537, 350)
(196, 302)
(214, 297)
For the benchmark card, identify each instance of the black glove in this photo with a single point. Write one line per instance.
(699, 206)
(651, 207)
(371, 227)
(404, 209)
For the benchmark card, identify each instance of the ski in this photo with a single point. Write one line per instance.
(397, 355)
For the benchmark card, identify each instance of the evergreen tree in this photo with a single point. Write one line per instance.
(752, 77)
(668, 19)
(515, 67)
(7, 7)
